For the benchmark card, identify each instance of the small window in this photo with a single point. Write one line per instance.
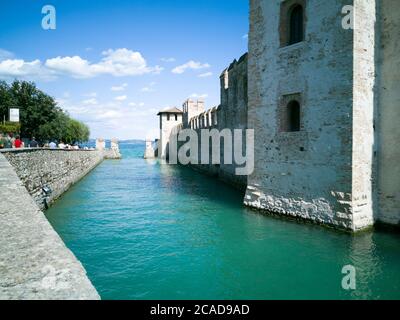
(292, 25)
(176, 117)
(296, 27)
(293, 116)
(168, 117)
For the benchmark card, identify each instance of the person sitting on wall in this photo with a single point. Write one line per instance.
(18, 144)
(34, 143)
(52, 145)
(12, 139)
(61, 145)
(8, 142)
(2, 141)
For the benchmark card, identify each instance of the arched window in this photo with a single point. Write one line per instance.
(296, 25)
(293, 116)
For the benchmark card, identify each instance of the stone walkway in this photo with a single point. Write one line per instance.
(34, 261)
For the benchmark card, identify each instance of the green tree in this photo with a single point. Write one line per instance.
(39, 114)
(54, 129)
(6, 100)
(76, 132)
(36, 107)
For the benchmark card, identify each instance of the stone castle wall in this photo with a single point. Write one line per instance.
(34, 261)
(306, 174)
(55, 169)
(230, 114)
(388, 111)
(341, 167)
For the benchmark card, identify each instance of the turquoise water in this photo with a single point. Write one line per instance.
(144, 230)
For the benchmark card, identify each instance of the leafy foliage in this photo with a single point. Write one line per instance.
(10, 127)
(40, 116)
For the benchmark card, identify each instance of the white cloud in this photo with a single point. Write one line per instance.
(21, 68)
(117, 63)
(205, 75)
(120, 62)
(90, 102)
(168, 59)
(193, 65)
(111, 119)
(200, 96)
(149, 88)
(121, 98)
(119, 88)
(246, 36)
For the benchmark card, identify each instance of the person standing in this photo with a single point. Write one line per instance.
(34, 143)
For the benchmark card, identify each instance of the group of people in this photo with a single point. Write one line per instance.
(8, 141)
(61, 145)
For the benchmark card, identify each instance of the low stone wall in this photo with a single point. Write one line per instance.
(55, 170)
(34, 261)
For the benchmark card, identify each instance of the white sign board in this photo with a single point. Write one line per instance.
(14, 115)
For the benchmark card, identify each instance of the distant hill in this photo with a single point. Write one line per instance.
(136, 141)
(132, 141)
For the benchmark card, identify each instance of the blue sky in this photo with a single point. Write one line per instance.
(114, 64)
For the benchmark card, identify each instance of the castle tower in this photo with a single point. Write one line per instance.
(149, 151)
(313, 101)
(192, 109)
(100, 144)
(169, 119)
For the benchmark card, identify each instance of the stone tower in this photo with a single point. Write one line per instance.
(192, 109)
(149, 152)
(324, 106)
(169, 120)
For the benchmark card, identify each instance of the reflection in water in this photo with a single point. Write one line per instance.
(364, 258)
(146, 230)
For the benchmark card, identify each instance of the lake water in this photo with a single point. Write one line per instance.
(145, 230)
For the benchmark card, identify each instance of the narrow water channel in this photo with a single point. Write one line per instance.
(144, 230)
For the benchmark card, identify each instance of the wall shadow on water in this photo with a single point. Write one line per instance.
(195, 183)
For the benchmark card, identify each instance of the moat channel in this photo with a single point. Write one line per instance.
(145, 230)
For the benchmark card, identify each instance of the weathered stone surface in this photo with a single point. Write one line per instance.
(34, 261)
(57, 169)
(388, 110)
(341, 168)
(301, 173)
(230, 114)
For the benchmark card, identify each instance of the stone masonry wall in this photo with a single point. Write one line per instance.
(56, 169)
(34, 261)
(364, 140)
(231, 114)
(306, 174)
(388, 111)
